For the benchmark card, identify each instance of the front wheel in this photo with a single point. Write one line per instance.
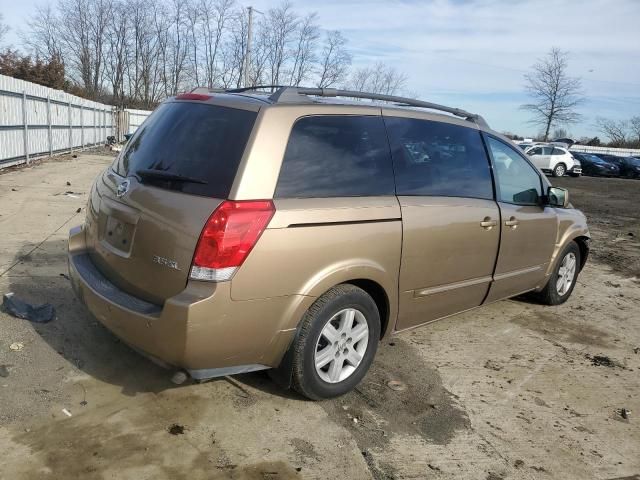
(563, 279)
(560, 170)
(336, 343)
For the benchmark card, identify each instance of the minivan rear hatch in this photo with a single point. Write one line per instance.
(146, 212)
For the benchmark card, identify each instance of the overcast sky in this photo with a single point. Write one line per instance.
(473, 53)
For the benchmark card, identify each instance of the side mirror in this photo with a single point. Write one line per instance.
(558, 197)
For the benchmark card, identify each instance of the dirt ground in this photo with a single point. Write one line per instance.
(514, 390)
(612, 206)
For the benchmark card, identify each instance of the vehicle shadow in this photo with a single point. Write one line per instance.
(40, 276)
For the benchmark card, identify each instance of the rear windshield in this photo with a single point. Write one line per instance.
(203, 143)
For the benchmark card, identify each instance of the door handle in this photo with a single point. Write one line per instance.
(512, 222)
(488, 223)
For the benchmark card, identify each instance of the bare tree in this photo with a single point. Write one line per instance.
(43, 36)
(215, 15)
(233, 50)
(193, 18)
(4, 28)
(380, 78)
(615, 130)
(634, 126)
(335, 60)
(80, 31)
(140, 51)
(281, 25)
(117, 56)
(262, 55)
(560, 133)
(304, 57)
(555, 95)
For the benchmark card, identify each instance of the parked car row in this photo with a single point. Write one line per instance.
(559, 161)
(607, 165)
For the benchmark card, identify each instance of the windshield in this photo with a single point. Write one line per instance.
(197, 142)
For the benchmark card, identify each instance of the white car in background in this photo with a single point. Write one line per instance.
(555, 160)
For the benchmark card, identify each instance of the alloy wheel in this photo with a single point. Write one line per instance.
(566, 274)
(341, 345)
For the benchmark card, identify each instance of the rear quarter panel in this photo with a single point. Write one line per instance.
(312, 245)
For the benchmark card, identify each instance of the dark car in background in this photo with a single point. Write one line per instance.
(594, 165)
(630, 167)
(615, 159)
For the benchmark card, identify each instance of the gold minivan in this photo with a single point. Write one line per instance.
(238, 231)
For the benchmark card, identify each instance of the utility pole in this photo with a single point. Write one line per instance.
(247, 57)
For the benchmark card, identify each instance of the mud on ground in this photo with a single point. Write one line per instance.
(612, 207)
(511, 391)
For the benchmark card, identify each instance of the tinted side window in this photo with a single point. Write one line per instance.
(200, 141)
(336, 156)
(517, 181)
(546, 150)
(557, 151)
(440, 159)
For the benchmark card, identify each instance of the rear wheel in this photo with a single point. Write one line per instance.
(563, 279)
(560, 170)
(336, 343)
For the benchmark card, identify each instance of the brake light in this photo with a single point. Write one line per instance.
(227, 238)
(192, 96)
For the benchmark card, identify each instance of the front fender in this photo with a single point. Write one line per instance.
(572, 224)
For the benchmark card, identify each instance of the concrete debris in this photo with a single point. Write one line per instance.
(601, 361)
(176, 429)
(493, 365)
(41, 314)
(17, 346)
(396, 385)
(624, 413)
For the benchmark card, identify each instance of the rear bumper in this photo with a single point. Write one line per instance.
(576, 170)
(201, 329)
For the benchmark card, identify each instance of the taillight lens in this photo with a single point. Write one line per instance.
(227, 238)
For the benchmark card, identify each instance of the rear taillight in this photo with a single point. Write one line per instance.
(227, 238)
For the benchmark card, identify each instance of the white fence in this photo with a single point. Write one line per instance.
(136, 117)
(622, 152)
(36, 121)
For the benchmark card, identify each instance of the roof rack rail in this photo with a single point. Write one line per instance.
(236, 90)
(286, 94)
(293, 94)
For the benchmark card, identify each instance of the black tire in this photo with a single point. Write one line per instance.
(549, 294)
(575, 175)
(305, 378)
(559, 170)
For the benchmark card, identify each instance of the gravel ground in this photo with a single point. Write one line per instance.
(514, 390)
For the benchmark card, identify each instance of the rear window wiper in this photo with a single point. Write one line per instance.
(168, 176)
